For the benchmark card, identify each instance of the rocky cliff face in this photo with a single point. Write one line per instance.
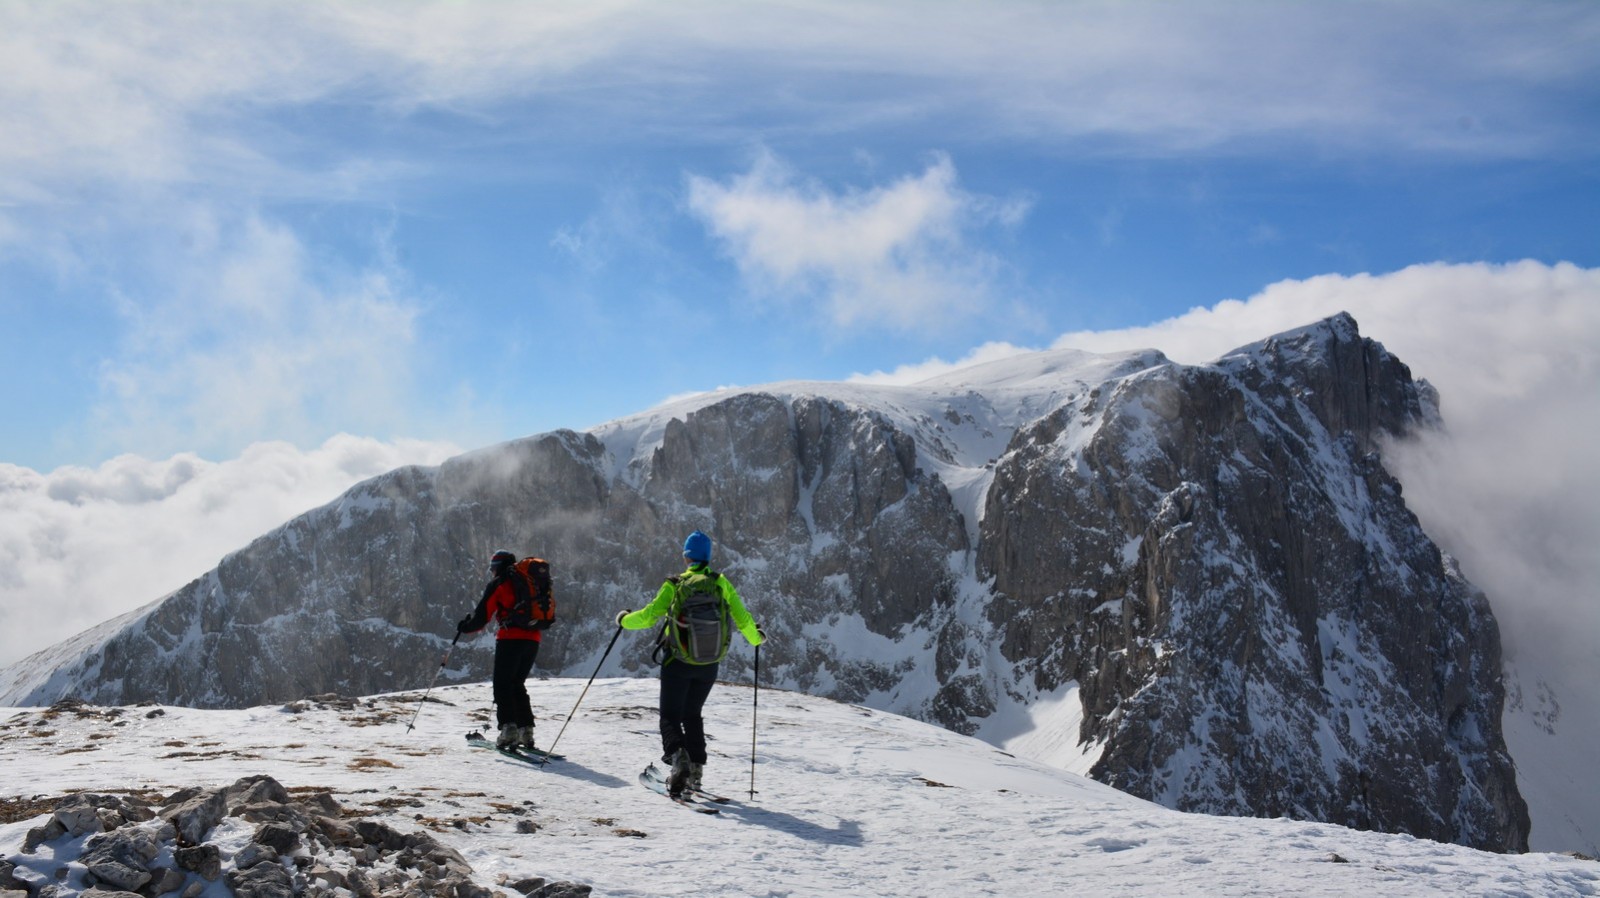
(1213, 555)
(1258, 624)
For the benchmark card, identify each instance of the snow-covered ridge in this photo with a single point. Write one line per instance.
(971, 411)
(849, 801)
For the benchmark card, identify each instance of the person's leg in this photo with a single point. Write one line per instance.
(521, 666)
(505, 675)
(521, 709)
(674, 699)
(694, 730)
(694, 724)
(506, 687)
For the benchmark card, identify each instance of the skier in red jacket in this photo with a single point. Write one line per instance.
(514, 651)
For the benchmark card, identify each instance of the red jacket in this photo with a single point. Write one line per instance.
(498, 597)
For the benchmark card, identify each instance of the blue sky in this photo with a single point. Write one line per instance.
(292, 244)
(470, 222)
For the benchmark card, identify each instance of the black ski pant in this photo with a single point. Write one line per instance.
(513, 661)
(684, 688)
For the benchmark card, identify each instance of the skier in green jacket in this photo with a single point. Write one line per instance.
(699, 605)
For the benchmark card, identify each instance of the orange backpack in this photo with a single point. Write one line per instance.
(534, 607)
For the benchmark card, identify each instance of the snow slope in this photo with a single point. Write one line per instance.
(850, 802)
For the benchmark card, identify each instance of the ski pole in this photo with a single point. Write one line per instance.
(442, 663)
(585, 692)
(755, 703)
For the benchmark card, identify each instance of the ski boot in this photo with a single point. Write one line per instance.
(678, 779)
(507, 740)
(525, 737)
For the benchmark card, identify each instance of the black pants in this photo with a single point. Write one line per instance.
(513, 661)
(684, 688)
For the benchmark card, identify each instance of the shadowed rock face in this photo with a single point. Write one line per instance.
(820, 509)
(1214, 554)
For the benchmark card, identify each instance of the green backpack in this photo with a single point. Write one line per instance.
(697, 629)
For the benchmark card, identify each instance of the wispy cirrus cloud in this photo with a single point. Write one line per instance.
(148, 92)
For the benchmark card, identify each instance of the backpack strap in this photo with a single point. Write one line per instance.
(519, 589)
(543, 582)
(659, 654)
(519, 584)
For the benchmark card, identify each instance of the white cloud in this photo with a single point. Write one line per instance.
(82, 545)
(900, 255)
(149, 93)
(921, 371)
(161, 93)
(235, 335)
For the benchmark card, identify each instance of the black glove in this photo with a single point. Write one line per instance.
(622, 614)
(473, 622)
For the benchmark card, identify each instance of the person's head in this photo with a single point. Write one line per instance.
(697, 548)
(500, 562)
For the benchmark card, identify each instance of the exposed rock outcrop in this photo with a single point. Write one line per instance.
(306, 847)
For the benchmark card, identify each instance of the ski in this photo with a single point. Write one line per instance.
(703, 795)
(534, 756)
(655, 776)
(651, 779)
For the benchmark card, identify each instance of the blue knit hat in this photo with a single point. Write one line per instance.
(697, 547)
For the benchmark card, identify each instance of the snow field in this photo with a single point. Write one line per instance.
(850, 802)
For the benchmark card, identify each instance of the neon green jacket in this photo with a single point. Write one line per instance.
(647, 616)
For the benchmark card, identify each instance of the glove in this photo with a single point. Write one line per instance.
(622, 614)
(464, 624)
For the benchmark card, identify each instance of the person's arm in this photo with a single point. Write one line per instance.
(741, 616)
(479, 618)
(646, 617)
